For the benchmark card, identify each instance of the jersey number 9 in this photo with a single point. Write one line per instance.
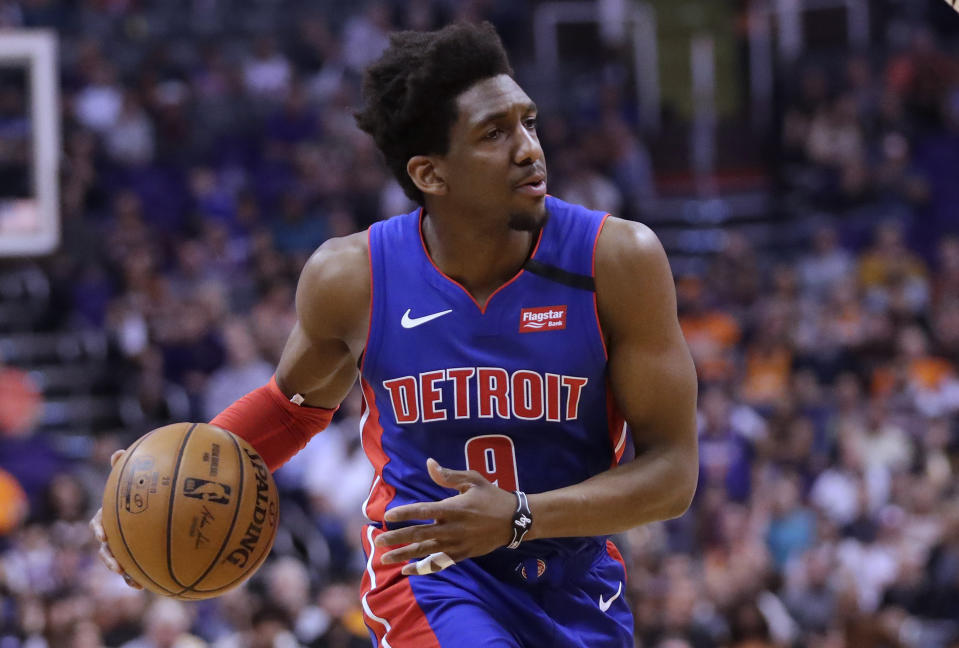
(494, 457)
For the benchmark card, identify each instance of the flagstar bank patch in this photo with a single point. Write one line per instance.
(544, 318)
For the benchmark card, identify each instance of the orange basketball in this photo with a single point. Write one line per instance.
(190, 511)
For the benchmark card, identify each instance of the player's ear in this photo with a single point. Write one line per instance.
(426, 176)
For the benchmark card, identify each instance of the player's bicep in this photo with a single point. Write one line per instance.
(323, 371)
(332, 305)
(655, 389)
(651, 371)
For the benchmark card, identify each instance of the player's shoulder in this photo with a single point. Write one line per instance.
(630, 262)
(634, 283)
(340, 258)
(335, 282)
(629, 242)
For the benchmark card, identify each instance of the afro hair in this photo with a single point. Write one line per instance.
(411, 90)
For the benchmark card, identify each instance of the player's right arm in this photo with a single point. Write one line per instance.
(321, 357)
(319, 362)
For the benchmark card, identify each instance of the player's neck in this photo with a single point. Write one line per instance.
(481, 258)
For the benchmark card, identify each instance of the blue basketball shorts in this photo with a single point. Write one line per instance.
(503, 600)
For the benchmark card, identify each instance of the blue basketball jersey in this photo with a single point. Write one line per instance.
(516, 389)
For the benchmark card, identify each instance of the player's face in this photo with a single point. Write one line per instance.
(495, 164)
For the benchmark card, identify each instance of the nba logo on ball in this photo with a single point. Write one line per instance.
(206, 490)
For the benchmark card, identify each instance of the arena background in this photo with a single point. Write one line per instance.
(798, 158)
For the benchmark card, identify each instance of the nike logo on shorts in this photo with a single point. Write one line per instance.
(604, 604)
(412, 322)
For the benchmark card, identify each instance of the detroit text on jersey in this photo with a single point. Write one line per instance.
(485, 392)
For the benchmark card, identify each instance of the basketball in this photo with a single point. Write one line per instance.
(190, 511)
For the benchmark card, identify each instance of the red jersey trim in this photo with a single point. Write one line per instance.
(371, 434)
(599, 325)
(617, 426)
(369, 326)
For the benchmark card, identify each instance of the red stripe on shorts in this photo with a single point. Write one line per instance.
(389, 605)
(615, 555)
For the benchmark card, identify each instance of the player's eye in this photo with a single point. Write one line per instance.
(492, 134)
(530, 123)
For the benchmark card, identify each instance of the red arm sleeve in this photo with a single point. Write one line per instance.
(275, 427)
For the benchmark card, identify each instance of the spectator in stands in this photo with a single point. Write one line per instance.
(929, 382)
(835, 137)
(792, 527)
(129, 140)
(581, 183)
(769, 357)
(267, 72)
(882, 444)
(734, 276)
(711, 333)
(288, 587)
(725, 446)
(888, 268)
(166, 625)
(810, 590)
(243, 371)
(822, 269)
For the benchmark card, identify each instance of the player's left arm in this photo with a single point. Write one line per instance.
(654, 383)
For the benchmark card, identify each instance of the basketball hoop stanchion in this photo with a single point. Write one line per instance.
(29, 210)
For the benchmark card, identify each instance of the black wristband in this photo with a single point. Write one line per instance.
(522, 520)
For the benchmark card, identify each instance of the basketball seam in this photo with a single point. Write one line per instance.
(254, 566)
(116, 498)
(236, 513)
(172, 500)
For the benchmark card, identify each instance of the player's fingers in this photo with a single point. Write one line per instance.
(96, 526)
(107, 559)
(410, 551)
(461, 480)
(116, 456)
(111, 563)
(418, 511)
(430, 565)
(406, 535)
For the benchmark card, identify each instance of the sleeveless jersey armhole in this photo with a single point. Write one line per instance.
(367, 349)
(599, 323)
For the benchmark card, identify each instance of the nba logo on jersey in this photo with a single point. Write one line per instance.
(547, 318)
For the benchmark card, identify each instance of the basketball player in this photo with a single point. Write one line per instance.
(505, 342)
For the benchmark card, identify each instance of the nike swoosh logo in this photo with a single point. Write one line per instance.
(604, 605)
(412, 322)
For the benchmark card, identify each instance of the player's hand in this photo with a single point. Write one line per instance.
(473, 523)
(96, 525)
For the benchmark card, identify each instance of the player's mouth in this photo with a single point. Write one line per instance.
(534, 185)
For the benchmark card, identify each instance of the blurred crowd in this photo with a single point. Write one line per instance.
(201, 171)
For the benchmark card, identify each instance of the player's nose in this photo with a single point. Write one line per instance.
(528, 149)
